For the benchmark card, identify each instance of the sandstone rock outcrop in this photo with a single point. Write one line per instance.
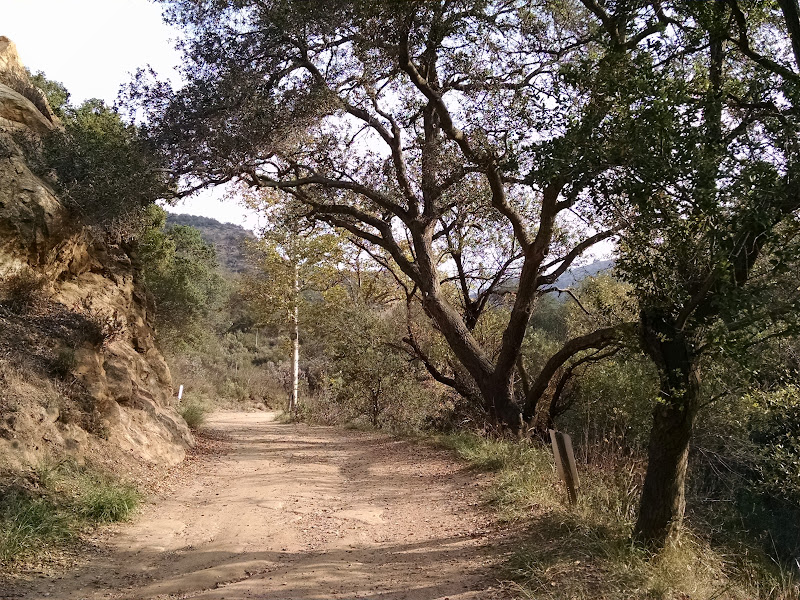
(9, 57)
(124, 379)
(15, 108)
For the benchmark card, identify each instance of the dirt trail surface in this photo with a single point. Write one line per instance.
(289, 512)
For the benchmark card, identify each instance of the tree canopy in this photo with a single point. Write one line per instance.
(476, 149)
(462, 132)
(182, 273)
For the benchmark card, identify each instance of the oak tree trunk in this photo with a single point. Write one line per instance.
(663, 495)
(500, 403)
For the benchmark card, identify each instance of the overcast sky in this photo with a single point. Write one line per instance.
(93, 47)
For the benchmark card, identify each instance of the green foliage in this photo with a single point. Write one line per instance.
(370, 378)
(607, 299)
(55, 92)
(106, 501)
(27, 523)
(194, 413)
(747, 463)
(611, 403)
(102, 168)
(181, 271)
(295, 265)
(483, 453)
(775, 429)
(229, 240)
(227, 369)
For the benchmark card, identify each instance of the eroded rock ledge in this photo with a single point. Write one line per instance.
(79, 372)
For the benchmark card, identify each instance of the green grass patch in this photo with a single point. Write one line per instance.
(104, 500)
(55, 504)
(481, 453)
(29, 523)
(194, 413)
(585, 551)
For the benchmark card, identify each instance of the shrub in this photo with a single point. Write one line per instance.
(194, 413)
(23, 290)
(775, 429)
(102, 168)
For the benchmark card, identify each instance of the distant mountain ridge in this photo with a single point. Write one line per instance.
(228, 239)
(570, 279)
(577, 274)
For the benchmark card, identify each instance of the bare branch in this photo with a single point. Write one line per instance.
(571, 294)
(566, 261)
(743, 43)
(598, 339)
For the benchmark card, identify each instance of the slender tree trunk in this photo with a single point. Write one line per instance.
(663, 495)
(293, 402)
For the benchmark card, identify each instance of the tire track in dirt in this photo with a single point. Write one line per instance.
(291, 512)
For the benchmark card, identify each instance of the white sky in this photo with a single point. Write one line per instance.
(93, 47)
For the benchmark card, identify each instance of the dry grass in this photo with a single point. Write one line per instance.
(585, 551)
(23, 291)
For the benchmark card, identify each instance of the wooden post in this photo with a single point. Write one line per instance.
(565, 463)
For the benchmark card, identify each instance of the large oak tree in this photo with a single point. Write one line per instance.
(546, 128)
(412, 125)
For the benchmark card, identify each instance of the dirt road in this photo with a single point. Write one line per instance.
(291, 512)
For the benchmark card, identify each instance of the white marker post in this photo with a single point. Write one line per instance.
(565, 463)
(180, 392)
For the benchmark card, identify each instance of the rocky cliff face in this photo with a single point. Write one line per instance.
(79, 371)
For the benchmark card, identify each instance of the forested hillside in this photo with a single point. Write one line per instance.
(228, 239)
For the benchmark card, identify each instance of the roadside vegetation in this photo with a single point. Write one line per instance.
(586, 551)
(54, 505)
(193, 412)
(108, 179)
